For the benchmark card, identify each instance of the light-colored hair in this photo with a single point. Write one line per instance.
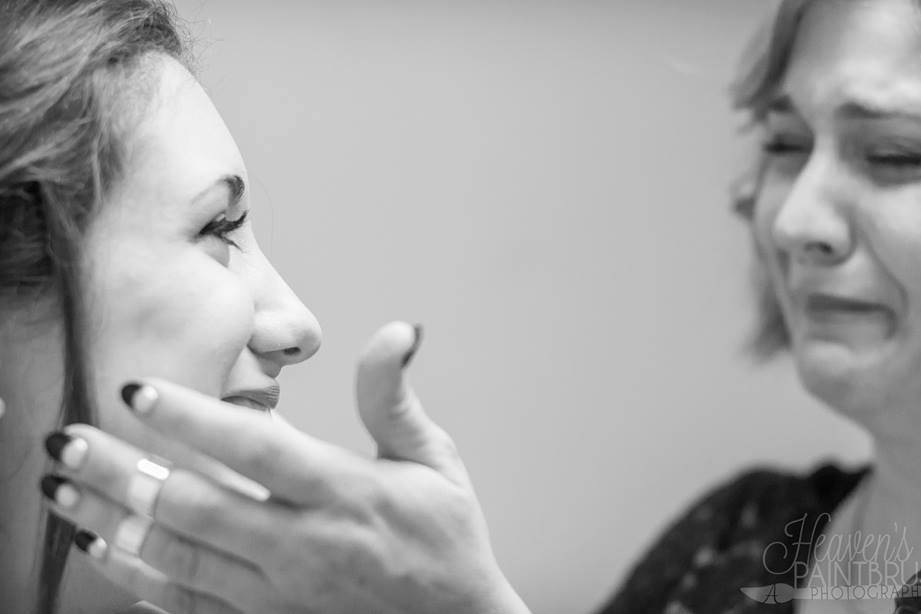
(761, 71)
(70, 71)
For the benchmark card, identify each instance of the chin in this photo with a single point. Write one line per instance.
(849, 379)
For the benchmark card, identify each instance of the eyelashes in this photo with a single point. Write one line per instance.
(222, 228)
(887, 163)
(898, 160)
(780, 147)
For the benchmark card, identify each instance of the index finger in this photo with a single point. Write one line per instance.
(291, 464)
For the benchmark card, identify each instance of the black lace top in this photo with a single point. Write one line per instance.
(735, 537)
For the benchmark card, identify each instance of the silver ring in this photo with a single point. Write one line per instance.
(131, 534)
(145, 484)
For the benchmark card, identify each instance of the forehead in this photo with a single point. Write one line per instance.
(180, 143)
(857, 51)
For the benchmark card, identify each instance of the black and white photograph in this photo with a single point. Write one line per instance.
(460, 307)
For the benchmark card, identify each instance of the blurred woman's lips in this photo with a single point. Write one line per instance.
(826, 303)
(828, 309)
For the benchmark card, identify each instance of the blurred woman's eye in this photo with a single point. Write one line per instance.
(894, 165)
(222, 228)
(779, 146)
(786, 154)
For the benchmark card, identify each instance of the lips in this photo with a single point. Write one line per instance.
(260, 399)
(850, 316)
(246, 402)
(823, 303)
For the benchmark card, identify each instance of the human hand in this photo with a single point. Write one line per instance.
(340, 533)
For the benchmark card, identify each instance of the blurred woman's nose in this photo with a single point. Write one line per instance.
(285, 331)
(812, 225)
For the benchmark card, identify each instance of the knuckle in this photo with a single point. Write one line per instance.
(344, 548)
(184, 560)
(173, 555)
(403, 404)
(363, 547)
(444, 445)
(194, 508)
(360, 500)
(371, 494)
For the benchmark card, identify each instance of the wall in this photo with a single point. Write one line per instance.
(543, 186)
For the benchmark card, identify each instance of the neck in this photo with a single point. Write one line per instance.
(895, 486)
(21, 468)
(890, 502)
(30, 389)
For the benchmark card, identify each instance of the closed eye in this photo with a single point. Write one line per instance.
(895, 159)
(779, 147)
(222, 228)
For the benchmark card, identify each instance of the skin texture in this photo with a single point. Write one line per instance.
(165, 302)
(840, 213)
(197, 320)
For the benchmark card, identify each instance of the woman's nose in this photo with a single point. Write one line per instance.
(812, 225)
(285, 331)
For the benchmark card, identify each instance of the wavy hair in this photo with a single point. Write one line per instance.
(71, 75)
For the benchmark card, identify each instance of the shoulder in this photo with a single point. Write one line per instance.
(754, 494)
(825, 484)
(761, 495)
(763, 491)
(723, 531)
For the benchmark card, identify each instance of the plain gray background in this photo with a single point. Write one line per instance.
(544, 187)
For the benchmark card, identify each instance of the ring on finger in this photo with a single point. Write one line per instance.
(131, 533)
(145, 484)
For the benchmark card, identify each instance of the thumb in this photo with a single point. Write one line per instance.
(390, 409)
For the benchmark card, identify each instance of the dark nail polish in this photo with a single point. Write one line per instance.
(128, 392)
(50, 485)
(91, 544)
(55, 443)
(84, 539)
(415, 346)
(139, 397)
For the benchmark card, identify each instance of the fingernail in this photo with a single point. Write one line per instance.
(70, 451)
(417, 329)
(60, 490)
(91, 544)
(139, 397)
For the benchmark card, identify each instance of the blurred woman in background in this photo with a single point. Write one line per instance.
(833, 87)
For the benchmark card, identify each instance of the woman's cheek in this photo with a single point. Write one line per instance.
(767, 206)
(184, 317)
(891, 229)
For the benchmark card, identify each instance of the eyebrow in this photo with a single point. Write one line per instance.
(234, 184)
(867, 110)
(853, 109)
